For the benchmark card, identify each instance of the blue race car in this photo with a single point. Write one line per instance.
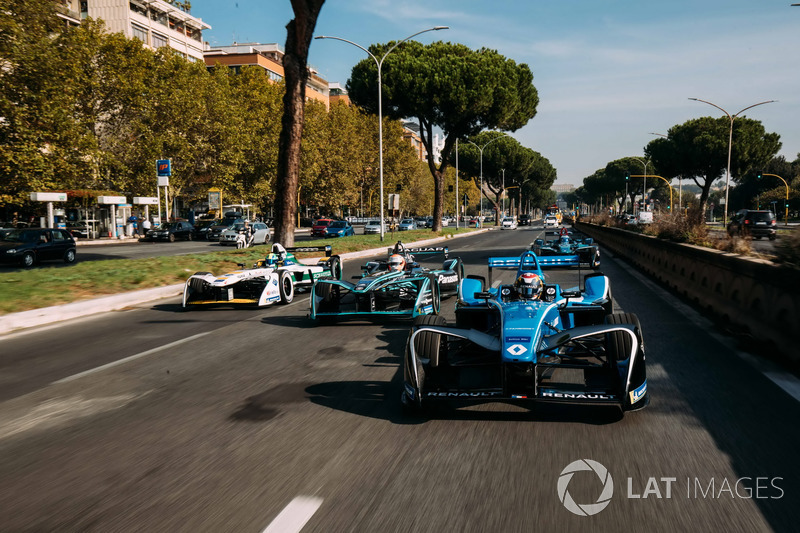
(568, 250)
(527, 343)
(397, 286)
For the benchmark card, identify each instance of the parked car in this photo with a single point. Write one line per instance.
(320, 226)
(445, 222)
(373, 227)
(202, 227)
(752, 223)
(524, 220)
(508, 223)
(421, 222)
(339, 228)
(171, 231)
(31, 245)
(216, 230)
(261, 233)
(406, 224)
(78, 230)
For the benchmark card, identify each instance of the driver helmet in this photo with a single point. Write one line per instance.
(396, 262)
(564, 240)
(529, 286)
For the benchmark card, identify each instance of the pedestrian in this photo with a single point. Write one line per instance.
(145, 225)
(248, 234)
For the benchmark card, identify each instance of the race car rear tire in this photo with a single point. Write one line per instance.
(429, 344)
(436, 295)
(286, 286)
(336, 267)
(619, 344)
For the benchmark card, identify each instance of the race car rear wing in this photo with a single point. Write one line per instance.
(312, 249)
(427, 250)
(528, 262)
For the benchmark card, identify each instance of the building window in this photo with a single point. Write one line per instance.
(136, 8)
(158, 16)
(274, 76)
(139, 33)
(159, 40)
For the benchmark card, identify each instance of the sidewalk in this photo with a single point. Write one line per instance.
(114, 302)
(134, 240)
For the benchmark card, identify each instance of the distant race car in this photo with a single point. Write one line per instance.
(271, 280)
(568, 250)
(397, 286)
(518, 345)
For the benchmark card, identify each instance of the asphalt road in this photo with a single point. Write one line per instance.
(151, 419)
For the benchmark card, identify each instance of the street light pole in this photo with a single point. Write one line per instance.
(379, 64)
(644, 183)
(480, 148)
(730, 145)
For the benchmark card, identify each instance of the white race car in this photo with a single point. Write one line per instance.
(271, 280)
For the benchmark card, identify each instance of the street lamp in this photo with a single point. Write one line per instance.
(730, 145)
(680, 180)
(480, 148)
(644, 183)
(379, 63)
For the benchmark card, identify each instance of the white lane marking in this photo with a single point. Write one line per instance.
(295, 515)
(786, 381)
(131, 358)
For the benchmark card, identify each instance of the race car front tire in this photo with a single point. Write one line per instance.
(286, 286)
(619, 344)
(428, 343)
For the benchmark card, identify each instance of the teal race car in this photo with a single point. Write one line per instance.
(397, 286)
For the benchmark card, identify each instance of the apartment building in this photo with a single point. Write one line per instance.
(156, 23)
(268, 57)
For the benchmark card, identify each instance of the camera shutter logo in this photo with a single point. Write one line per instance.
(587, 509)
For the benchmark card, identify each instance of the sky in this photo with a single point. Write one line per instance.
(609, 73)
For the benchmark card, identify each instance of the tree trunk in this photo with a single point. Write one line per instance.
(299, 33)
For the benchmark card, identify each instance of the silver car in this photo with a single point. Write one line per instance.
(406, 224)
(261, 233)
(373, 227)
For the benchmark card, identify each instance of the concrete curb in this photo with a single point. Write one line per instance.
(114, 302)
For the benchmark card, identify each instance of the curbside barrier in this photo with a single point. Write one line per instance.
(751, 296)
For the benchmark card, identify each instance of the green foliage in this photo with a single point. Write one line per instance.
(698, 150)
(449, 86)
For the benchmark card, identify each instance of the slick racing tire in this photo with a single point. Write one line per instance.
(429, 344)
(619, 344)
(436, 296)
(336, 267)
(286, 286)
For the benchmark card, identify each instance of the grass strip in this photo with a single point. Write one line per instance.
(44, 285)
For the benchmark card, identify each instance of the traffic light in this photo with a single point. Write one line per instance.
(627, 175)
(399, 187)
(449, 188)
(759, 174)
(669, 207)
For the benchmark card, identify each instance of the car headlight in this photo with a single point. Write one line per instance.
(11, 251)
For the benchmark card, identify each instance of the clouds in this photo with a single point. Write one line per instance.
(608, 73)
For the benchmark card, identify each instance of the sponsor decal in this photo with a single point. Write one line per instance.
(639, 393)
(586, 509)
(273, 298)
(427, 309)
(516, 350)
(518, 339)
(577, 395)
(459, 394)
(447, 278)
